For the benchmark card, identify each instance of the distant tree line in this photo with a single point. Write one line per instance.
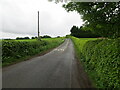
(22, 38)
(81, 33)
(34, 37)
(19, 38)
(45, 36)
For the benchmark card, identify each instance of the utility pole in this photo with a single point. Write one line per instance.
(38, 26)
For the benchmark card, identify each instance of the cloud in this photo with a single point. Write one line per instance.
(20, 17)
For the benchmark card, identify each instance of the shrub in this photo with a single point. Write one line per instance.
(20, 38)
(101, 60)
(104, 61)
(13, 50)
(46, 36)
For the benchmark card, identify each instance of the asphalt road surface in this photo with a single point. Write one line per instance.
(56, 69)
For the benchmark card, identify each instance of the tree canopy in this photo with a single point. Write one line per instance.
(103, 18)
(81, 33)
(20, 38)
(45, 36)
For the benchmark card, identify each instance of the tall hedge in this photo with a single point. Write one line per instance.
(13, 51)
(102, 61)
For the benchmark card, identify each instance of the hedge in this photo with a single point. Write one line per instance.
(101, 61)
(13, 51)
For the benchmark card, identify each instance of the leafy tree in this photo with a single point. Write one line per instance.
(103, 18)
(81, 33)
(58, 36)
(26, 38)
(20, 38)
(46, 36)
(34, 37)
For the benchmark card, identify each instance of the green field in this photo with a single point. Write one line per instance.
(14, 51)
(100, 59)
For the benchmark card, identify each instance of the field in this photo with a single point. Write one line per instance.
(100, 59)
(14, 51)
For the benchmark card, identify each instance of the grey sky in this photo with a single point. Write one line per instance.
(19, 18)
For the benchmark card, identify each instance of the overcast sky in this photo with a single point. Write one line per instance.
(19, 18)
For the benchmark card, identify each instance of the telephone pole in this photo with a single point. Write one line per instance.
(38, 25)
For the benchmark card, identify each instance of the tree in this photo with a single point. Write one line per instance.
(26, 38)
(103, 18)
(34, 37)
(20, 38)
(46, 36)
(81, 33)
(58, 36)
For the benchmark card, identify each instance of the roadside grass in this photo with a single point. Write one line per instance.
(14, 51)
(80, 42)
(100, 58)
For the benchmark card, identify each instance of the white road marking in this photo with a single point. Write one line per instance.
(63, 49)
(59, 50)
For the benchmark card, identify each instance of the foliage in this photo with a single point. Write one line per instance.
(103, 18)
(8, 39)
(19, 38)
(33, 37)
(14, 51)
(81, 33)
(101, 60)
(58, 36)
(26, 40)
(45, 36)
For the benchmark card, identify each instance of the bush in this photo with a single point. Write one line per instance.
(101, 60)
(20, 38)
(13, 50)
(88, 50)
(33, 37)
(19, 49)
(82, 33)
(46, 36)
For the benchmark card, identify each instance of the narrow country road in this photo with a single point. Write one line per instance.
(56, 69)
